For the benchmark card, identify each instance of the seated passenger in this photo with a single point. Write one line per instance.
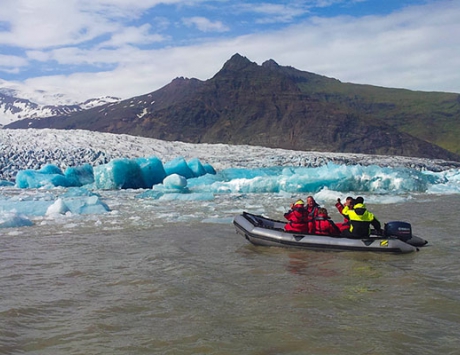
(324, 225)
(360, 221)
(297, 217)
(312, 211)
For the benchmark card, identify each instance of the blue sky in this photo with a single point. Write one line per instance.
(89, 48)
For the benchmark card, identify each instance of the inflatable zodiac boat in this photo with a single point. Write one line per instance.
(260, 230)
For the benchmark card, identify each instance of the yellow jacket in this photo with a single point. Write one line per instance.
(360, 220)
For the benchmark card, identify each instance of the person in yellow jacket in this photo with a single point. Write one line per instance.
(360, 220)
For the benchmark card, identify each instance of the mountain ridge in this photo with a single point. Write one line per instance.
(14, 108)
(279, 107)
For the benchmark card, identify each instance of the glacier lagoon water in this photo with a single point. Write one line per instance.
(161, 271)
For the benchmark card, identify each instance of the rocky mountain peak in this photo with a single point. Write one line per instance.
(271, 64)
(237, 62)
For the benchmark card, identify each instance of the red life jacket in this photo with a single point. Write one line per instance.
(312, 213)
(325, 226)
(297, 218)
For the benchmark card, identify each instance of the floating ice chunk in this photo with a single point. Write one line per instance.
(6, 183)
(118, 174)
(180, 196)
(205, 196)
(58, 207)
(14, 220)
(288, 172)
(174, 187)
(129, 174)
(240, 173)
(26, 206)
(209, 169)
(78, 192)
(82, 201)
(80, 175)
(152, 171)
(87, 205)
(153, 194)
(76, 200)
(175, 182)
(178, 166)
(37, 179)
(50, 169)
(203, 182)
(48, 177)
(196, 167)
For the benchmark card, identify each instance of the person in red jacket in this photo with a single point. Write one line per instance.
(340, 206)
(324, 225)
(312, 211)
(297, 217)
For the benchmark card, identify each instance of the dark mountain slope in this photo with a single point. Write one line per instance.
(275, 106)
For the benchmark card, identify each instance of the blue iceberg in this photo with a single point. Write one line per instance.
(49, 176)
(122, 173)
(74, 200)
(14, 220)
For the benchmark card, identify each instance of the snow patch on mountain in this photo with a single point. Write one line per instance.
(13, 108)
(98, 102)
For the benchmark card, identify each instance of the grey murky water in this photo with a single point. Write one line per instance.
(126, 283)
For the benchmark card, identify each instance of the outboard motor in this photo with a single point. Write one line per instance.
(401, 230)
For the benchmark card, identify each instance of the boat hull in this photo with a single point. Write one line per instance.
(266, 232)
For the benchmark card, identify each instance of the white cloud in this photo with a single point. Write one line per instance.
(38, 24)
(204, 24)
(50, 23)
(12, 63)
(416, 48)
(132, 35)
(275, 13)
